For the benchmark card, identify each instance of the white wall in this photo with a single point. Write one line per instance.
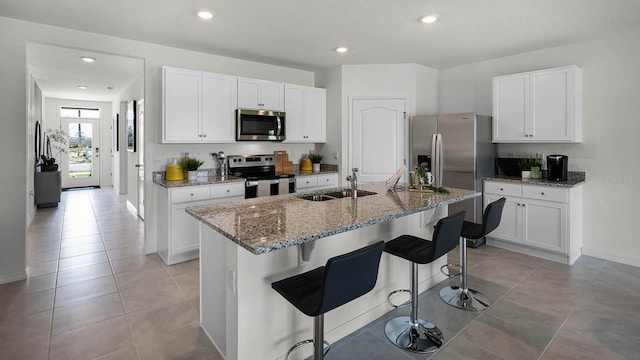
(609, 151)
(14, 35)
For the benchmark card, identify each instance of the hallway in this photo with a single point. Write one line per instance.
(94, 294)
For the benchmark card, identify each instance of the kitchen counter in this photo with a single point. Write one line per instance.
(267, 224)
(291, 236)
(574, 178)
(209, 180)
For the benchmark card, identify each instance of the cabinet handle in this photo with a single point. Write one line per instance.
(541, 193)
(501, 189)
(191, 194)
(204, 135)
(228, 190)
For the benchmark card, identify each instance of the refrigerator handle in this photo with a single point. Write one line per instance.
(437, 159)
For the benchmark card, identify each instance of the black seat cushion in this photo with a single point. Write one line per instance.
(344, 278)
(471, 230)
(446, 235)
(490, 221)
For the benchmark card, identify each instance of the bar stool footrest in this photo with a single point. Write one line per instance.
(325, 348)
(408, 302)
(448, 273)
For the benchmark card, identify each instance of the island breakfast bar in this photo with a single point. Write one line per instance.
(246, 245)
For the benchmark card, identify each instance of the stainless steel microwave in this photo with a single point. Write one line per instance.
(260, 125)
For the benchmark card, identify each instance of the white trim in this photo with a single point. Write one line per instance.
(17, 276)
(624, 258)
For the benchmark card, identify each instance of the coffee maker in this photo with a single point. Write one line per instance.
(557, 167)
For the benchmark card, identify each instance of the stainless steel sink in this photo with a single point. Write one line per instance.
(345, 193)
(316, 197)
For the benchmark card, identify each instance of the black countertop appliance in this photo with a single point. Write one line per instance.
(557, 167)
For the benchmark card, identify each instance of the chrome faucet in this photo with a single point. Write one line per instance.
(353, 179)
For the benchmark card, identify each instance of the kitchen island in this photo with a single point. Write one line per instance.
(246, 245)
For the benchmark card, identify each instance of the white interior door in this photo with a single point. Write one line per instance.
(378, 137)
(140, 108)
(81, 163)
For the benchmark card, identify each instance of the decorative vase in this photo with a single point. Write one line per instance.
(316, 167)
(526, 174)
(535, 172)
(192, 175)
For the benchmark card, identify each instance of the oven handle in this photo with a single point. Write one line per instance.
(279, 122)
(251, 183)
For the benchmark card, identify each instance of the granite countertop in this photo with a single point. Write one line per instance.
(267, 224)
(574, 178)
(208, 180)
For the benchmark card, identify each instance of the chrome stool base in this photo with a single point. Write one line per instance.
(420, 337)
(325, 347)
(469, 300)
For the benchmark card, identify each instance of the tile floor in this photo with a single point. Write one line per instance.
(93, 294)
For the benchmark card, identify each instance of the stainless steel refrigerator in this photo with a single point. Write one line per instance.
(466, 157)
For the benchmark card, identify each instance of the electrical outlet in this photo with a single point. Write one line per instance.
(335, 155)
(231, 280)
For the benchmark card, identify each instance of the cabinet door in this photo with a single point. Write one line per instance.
(272, 95)
(510, 108)
(327, 180)
(510, 228)
(294, 108)
(219, 102)
(181, 105)
(185, 230)
(551, 111)
(248, 93)
(545, 224)
(315, 119)
(306, 182)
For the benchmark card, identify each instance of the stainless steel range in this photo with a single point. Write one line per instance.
(260, 172)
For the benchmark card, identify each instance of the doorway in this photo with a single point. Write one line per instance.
(81, 163)
(378, 137)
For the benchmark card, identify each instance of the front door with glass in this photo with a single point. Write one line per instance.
(81, 165)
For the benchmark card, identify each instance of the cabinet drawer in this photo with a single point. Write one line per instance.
(306, 182)
(502, 188)
(329, 180)
(227, 190)
(546, 193)
(191, 193)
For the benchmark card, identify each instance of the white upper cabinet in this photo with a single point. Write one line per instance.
(197, 107)
(542, 106)
(260, 94)
(306, 118)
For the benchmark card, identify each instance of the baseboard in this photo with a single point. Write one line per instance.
(17, 276)
(611, 256)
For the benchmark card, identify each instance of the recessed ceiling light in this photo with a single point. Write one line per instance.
(428, 19)
(109, 88)
(205, 15)
(88, 59)
(342, 49)
(83, 87)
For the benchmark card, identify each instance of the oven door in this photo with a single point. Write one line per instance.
(260, 125)
(259, 188)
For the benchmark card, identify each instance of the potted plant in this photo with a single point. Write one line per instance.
(526, 166)
(47, 184)
(315, 160)
(191, 165)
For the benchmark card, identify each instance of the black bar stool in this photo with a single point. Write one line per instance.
(461, 296)
(343, 279)
(411, 333)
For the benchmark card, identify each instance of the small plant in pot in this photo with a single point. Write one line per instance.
(529, 165)
(191, 165)
(315, 160)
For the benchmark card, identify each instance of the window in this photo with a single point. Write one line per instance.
(87, 113)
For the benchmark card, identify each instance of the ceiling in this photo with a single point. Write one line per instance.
(305, 33)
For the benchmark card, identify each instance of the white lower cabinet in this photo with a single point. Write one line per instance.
(178, 239)
(538, 220)
(314, 182)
